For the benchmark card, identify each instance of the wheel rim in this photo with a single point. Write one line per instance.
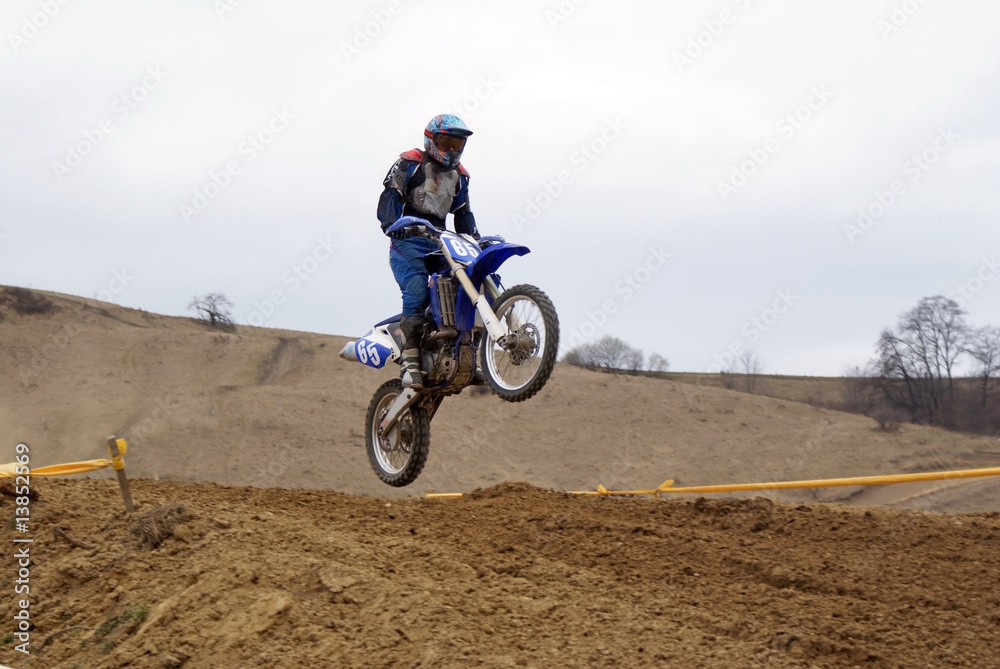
(392, 450)
(513, 368)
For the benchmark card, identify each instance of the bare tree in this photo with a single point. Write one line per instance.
(750, 365)
(575, 357)
(609, 353)
(984, 347)
(215, 309)
(915, 364)
(657, 363)
(860, 393)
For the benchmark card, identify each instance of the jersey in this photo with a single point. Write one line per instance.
(417, 186)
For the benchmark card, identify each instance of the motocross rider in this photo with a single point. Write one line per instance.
(428, 184)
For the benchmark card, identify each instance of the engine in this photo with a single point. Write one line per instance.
(438, 361)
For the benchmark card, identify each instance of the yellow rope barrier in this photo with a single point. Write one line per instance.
(668, 486)
(7, 470)
(116, 449)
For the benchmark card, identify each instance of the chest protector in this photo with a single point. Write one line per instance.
(435, 195)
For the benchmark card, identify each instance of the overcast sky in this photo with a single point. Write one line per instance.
(692, 177)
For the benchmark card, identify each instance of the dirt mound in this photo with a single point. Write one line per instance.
(511, 575)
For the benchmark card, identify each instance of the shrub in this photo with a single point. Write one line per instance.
(26, 302)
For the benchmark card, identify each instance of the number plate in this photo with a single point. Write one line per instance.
(461, 249)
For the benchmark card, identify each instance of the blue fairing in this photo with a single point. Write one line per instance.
(487, 263)
(391, 319)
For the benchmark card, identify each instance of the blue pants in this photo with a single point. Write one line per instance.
(406, 258)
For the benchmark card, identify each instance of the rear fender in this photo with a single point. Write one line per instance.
(382, 344)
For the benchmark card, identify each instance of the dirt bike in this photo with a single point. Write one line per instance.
(476, 333)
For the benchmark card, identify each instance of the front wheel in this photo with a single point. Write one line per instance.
(398, 455)
(519, 365)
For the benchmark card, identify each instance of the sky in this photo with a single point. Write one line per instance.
(697, 179)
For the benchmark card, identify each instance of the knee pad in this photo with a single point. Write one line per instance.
(416, 286)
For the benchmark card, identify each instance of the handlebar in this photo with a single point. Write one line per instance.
(412, 226)
(423, 226)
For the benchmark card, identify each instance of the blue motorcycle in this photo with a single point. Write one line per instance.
(476, 333)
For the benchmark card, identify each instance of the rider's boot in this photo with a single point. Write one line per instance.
(412, 328)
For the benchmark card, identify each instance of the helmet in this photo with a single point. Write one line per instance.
(444, 139)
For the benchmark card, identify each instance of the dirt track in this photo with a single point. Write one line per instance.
(510, 576)
(507, 576)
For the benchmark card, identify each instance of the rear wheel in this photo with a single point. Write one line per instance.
(519, 367)
(398, 455)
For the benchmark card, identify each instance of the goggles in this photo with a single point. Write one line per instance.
(449, 142)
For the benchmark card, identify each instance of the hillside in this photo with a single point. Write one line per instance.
(816, 390)
(279, 408)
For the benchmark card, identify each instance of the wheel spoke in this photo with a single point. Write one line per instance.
(521, 317)
(391, 449)
(398, 455)
(521, 366)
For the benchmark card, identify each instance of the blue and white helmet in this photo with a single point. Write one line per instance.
(444, 139)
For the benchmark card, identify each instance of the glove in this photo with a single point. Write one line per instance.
(405, 233)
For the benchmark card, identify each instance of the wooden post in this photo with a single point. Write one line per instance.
(118, 464)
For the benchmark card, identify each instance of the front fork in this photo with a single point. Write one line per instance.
(492, 290)
(404, 401)
(481, 300)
